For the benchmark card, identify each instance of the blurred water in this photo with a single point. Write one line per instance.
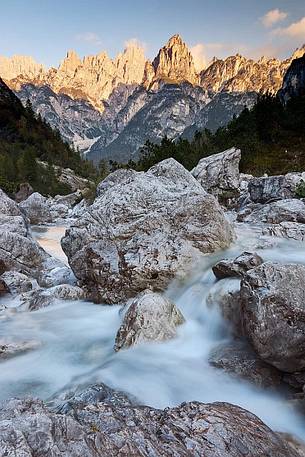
(77, 346)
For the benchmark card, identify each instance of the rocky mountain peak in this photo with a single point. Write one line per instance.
(175, 62)
(71, 62)
(11, 67)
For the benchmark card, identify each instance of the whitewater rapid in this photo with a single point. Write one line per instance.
(77, 345)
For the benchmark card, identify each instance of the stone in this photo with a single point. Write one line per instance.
(238, 267)
(273, 313)
(36, 209)
(17, 283)
(25, 190)
(42, 298)
(150, 317)
(290, 230)
(142, 230)
(55, 276)
(18, 250)
(10, 348)
(219, 173)
(266, 189)
(28, 428)
(3, 287)
(239, 360)
(288, 210)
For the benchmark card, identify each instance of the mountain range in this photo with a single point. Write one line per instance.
(108, 108)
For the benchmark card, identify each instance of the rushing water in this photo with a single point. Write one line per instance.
(77, 346)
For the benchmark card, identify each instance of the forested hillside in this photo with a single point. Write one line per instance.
(25, 141)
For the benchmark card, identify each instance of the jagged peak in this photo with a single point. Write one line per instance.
(175, 39)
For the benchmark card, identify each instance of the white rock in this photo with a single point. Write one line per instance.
(142, 230)
(150, 317)
(36, 209)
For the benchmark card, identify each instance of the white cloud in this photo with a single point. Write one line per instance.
(203, 53)
(199, 55)
(294, 30)
(90, 37)
(273, 17)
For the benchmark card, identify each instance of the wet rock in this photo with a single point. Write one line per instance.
(3, 287)
(273, 313)
(294, 443)
(18, 250)
(28, 428)
(239, 359)
(60, 274)
(265, 189)
(42, 298)
(292, 210)
(17, 283)
(289, 230)
(25, 190)
(238, 267)
(92, 395)
(36, 209)
(225, 295)
(11, 348)
(143, 230)
(219, 173)
(150, 317)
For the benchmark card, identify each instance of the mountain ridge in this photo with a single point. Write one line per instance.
(97, 103)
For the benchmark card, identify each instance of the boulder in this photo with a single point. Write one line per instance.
(266, 189)
(25, 190)
(17, 283)
(273, 313)
(11, 348)
(290, 230)
(36, 209)
(3, 287)
(143, 230)
(59, 274)
(150, 317)
(18, 250)
(219, 173)
(239, 360)
(42, 298)
(28, 428)
(236, 267)
(291, 210)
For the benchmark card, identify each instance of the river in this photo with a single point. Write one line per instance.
(77, 346)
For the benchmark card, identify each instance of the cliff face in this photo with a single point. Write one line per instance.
(294, 80)
(98, 103)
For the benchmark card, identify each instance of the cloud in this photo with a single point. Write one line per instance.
(90, 37)
(294, 30)
(203, 53)
(134, 43)
(199, 55)
(273, 17)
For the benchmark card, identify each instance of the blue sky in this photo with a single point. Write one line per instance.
(46, 29)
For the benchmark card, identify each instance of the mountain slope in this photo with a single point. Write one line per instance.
(24, 138)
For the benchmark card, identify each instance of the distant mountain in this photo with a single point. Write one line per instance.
(108, 108)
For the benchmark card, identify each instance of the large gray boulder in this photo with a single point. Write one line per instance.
(230, 268)
(150, 317)
(273, 313)
(265, 189)
(142, 230)
(36, 209)
(28, 429)
(219, 173)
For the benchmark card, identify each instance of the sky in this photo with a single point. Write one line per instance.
(46, 29)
